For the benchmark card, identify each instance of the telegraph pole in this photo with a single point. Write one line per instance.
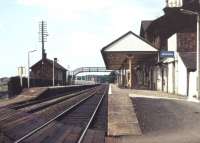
(43, 36)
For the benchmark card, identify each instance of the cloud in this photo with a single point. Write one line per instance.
(73, 5)
(128, 15)
(91, 24)
(1, 26)
(75, 9)
(68, 9)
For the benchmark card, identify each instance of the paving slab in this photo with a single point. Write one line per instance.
(122, 119)
(163, 118)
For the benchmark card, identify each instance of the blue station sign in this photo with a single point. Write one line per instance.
(166, 54)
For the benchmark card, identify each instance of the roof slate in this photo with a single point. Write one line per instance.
(126, 34)
(57, 65)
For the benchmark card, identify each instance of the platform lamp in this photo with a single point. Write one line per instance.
(189, 12)
(29, 66)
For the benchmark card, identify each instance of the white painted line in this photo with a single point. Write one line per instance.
(110, 90)
(168, 98)
(192, 99)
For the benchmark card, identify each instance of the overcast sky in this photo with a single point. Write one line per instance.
(78, 29)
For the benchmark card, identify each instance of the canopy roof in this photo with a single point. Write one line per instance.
(128, 45)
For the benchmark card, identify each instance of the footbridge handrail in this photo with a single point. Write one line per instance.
(90, 69)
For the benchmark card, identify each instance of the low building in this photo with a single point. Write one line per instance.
(42, 72)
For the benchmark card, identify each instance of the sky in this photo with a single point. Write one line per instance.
(78, 29)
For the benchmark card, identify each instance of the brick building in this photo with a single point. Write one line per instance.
(141, 66)
(174, 31)
(42, 72)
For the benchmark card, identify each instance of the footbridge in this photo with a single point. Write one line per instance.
(89, 69)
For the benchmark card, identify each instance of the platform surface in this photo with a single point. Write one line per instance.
(163, 117)
(25, 95)
(122, 119)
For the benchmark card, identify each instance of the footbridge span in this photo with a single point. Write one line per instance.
(89, 69)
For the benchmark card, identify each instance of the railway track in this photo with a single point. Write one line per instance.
(38, 105)
(46, 99)
(58, 120)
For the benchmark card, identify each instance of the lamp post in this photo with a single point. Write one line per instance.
(198, 47)
(29, 66)
(53, 72)
(54, 60)
(68, 74)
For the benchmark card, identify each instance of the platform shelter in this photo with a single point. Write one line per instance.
(132, 56)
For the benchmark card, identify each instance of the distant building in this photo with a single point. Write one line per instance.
(42, 72)
(4, 80)
(3, 86)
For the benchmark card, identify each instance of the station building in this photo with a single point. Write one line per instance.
(130, 54)
(138, 58)
(42, 72)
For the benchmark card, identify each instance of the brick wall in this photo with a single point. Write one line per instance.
(44, 72)
(186, 42)
(154, 40)
(157, 42)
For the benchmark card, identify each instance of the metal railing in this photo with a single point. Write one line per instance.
(90, 69)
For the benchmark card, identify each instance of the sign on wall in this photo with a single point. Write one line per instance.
(166, 54)
(21, 71)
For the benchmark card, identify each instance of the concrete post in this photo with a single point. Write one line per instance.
(121, 77)
(29, 66)
(28, 70)
(118, 78)
(126, 76)
(151, 77)
(198, 58)
(144, 75)
(130, 71)
(53, 80)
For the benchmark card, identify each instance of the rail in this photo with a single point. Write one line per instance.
(48, 101)
(63, 113)
(92, 118)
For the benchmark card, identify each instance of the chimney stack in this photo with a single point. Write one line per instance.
(174, 3)
(45, 56)
(55, 60)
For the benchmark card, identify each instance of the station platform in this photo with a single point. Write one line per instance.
(25, 95)
(122, 120)
(159, 117)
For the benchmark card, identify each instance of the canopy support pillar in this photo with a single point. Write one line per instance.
(130, 84)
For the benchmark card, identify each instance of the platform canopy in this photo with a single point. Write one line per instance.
(128, 45)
